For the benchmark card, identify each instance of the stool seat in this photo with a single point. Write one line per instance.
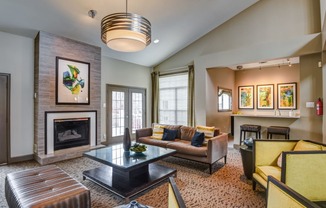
(280, 130)
(244, 128)
(250, 127)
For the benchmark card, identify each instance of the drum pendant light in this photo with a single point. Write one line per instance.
(126, 32)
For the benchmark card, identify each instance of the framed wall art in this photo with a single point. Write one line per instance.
(286, 96)
(246, 97)
(265, 97)
(72, 82)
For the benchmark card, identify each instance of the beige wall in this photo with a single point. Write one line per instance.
(219, 77)
(117, 72)
(17, 59)
(268, 75)
(268, 30)
(311, 85)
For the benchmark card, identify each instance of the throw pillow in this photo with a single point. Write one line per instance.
(304, 146)
(169, 134)
(157, 131)
(198, 139)
(208, 131)
(301, 146)
(279, 161)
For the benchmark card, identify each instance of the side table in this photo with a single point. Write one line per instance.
(247, 157)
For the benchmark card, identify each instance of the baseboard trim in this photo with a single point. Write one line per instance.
(21, 159)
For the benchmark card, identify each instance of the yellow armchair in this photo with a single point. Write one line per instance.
(280, 195)
(303, 171)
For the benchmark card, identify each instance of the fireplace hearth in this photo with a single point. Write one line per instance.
(71, 132)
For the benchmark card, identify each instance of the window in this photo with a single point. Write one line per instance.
(224, 99)
(173, 99)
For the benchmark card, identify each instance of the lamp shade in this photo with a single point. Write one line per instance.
(126, 32)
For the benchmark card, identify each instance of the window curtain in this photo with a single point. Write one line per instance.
(155, 95)
(191, 98)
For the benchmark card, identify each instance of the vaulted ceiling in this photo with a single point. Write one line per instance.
(176, 23)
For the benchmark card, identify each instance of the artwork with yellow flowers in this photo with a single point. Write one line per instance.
(287, 96)
(246, 97)
(72, 81)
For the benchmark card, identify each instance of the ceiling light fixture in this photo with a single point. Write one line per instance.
(126, 32)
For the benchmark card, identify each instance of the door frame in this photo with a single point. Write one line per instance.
(128, 105)
(8, 78)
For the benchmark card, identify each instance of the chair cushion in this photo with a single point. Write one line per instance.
(265, 171)
(303, 145)
(155, 142)
(198, 139)
(169, 134)
(185, 147)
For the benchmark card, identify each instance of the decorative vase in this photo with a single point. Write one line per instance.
(126, 140)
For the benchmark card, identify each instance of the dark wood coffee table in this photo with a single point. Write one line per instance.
(126, 173)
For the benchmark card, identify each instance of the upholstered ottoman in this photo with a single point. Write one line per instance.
(46, 186)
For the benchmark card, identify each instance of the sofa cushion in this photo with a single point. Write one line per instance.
(265, 171)
(185, 147)
(169, 134)
(208, 131)
(303, 146)
(187, 133)
(158, 131)
(198, 139)
(155, 142)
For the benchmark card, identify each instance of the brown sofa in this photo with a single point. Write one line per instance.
(213, 149)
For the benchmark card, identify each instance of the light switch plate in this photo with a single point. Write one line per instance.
(310, 104)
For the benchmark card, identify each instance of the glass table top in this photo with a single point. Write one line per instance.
(115, 156)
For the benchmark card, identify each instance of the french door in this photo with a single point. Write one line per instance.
(126, 108)
(4, 117)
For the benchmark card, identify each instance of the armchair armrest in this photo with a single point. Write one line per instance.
(305, 172)
(280, 195)
(217, 147)
(143, 133)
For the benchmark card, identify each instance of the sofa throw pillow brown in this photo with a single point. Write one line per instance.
(187, 133)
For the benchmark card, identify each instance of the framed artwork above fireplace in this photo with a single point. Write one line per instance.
(72, 82)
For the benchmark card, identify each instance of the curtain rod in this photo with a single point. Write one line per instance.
(175, 70)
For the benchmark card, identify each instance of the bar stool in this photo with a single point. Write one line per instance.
(249, 128)
(280, 130)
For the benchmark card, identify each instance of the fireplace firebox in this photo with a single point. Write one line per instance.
(71, 132)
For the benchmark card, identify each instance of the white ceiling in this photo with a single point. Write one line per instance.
(176, 23)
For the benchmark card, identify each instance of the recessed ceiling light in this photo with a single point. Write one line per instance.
(156, 41)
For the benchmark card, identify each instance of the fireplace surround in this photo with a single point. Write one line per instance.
(69, 136)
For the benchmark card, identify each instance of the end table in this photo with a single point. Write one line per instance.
(247, 157)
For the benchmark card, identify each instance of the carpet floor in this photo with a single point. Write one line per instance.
(226, 187)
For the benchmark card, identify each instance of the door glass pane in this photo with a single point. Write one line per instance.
(118, 117)
(137, 111)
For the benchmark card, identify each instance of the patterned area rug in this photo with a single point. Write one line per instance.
(226, 187)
